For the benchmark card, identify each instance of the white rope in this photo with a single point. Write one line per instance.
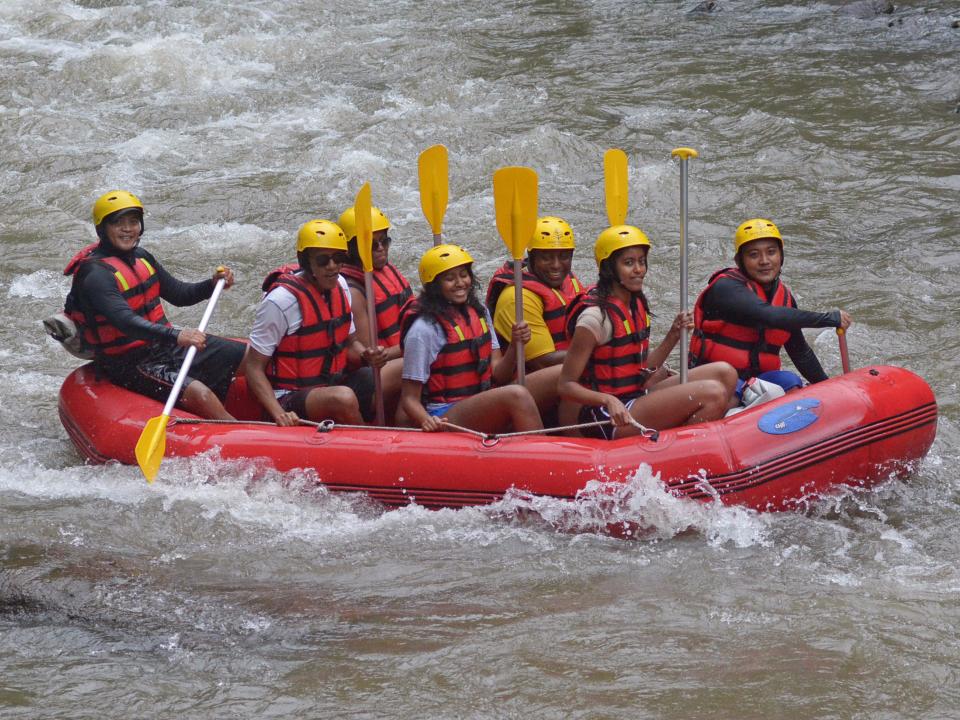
(328, 425)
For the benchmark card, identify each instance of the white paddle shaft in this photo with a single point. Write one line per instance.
(192, 351)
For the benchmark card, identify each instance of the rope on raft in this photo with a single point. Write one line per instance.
(328, 425)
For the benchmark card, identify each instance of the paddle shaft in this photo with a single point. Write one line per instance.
(844, 353)
(683, 266)
(192, 350)
(518, 317)
(372, 336)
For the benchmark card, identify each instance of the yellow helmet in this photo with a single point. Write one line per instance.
(348, 221)
(755, 229)
(441, 258)
(115, 201)
(321, 234)
(616, 238)
(552, 233)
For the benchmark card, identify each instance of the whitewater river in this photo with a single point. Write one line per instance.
(230, 591)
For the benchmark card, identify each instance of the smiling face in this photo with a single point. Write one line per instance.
(324, 265)
(455, 284)
(123, 232)
(630, 267)
(551, 266)
(762, 260)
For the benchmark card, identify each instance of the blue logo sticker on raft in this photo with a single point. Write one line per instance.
(791, 417)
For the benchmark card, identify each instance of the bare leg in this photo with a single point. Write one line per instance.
(568, 413)
(401, 419)
(390, 383)
(542, 384)
(201, 400)
(337, 403)
(694, 402)
(494, 410)
(722, 372)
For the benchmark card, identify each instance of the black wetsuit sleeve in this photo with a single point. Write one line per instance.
(803, 357)
(177, 292)
(98, 293)
(734, 302)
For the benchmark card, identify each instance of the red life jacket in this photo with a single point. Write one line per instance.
(751, 350)
(616, 368)
(271, 279)
(463, 367)
(390, 291)
(316, 354)
(555, 300)
(139, 286)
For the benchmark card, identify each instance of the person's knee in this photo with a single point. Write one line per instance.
(344, 399)
(338, 401)
(518, 395)
(716, 393)
(201, 400)
(199, 394)
(727, 374)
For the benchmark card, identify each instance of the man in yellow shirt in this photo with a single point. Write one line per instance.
(548, 288)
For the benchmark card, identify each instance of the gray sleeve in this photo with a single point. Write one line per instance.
(423, 344)
(272, 321)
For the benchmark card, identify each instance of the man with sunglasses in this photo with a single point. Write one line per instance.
(303, 335)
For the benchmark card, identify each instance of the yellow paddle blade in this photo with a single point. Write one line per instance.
(434, 185)
(361, 212)
(151, 446)
(615, 185)
(515, 203)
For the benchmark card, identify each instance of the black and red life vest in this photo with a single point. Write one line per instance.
(140, 287)
(390, 291)
(463, 367)
(616, 367)
(316, 354)
(751, 350)
(555, 300)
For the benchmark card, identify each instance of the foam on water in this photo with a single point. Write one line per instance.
(42, 285)
(219, 239)
(294, 506)
(642, 507)
(30, 382)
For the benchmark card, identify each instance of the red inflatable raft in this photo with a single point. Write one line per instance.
(857, 429)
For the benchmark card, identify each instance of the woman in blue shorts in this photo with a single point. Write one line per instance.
(451, 359)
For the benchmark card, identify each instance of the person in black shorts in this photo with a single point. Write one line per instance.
(303, 338)
(115, 300)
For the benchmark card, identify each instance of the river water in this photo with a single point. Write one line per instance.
(229, 591)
